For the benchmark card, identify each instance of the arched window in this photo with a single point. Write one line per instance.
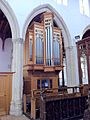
(64, 2)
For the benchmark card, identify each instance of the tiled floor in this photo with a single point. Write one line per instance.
(8, 117)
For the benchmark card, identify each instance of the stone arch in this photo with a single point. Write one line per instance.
(66, 35)
(8, 12)
(12, 20)
(59, 20)
(16, 100)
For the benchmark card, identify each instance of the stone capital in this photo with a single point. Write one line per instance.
(18, 41)
(69, 47)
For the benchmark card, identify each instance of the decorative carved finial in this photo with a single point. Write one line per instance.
(43, 95)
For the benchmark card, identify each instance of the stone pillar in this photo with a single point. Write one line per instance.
(72, 66)
(17, 81)
(75, 57)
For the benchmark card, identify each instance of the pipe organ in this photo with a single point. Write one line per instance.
(42, 58)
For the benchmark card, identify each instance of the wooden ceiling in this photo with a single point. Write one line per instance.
(5, 31)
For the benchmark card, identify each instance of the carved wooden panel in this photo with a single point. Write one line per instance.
(63, 109)
(5, 93)
(83, 48)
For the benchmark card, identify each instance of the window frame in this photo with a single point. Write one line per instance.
(84, 7)
(49, 83)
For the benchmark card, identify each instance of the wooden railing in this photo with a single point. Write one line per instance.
(63, 91)
(64, 103)
(62, 109)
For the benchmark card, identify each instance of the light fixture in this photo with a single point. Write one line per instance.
(77, 37)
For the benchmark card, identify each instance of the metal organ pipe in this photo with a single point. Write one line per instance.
(48, 48)
(51, 39)
(47, 45)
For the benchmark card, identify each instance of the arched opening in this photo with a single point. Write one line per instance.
(59, 21)
(5, 63)
(5, 44)
(86, 34)
(61, 24)
(9, 31)
(44, 71)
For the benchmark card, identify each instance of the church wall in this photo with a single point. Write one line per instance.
(71, 15)
(6, 56)
(75, 23)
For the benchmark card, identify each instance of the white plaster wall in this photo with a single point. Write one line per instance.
(6, 56)
(75, 21)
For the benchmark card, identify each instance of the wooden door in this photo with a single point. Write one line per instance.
(5, 93)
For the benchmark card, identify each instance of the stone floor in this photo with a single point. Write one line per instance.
(8, 117)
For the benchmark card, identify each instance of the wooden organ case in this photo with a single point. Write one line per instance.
(42, 59)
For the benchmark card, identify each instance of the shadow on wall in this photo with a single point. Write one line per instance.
(6, 55)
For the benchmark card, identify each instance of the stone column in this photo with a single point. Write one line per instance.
(75, 57)
(72, 66)
(17, 81)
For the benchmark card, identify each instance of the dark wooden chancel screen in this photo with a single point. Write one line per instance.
(83, 50)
